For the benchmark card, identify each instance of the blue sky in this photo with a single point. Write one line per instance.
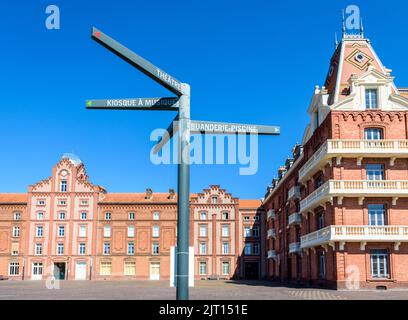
(246, 61)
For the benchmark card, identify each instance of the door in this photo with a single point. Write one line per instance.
(80, 270)
(59, 270)
(251, 271)
(37, 271)
(155, 271)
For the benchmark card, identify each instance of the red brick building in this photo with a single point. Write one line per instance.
(337, 215)
(70, 228)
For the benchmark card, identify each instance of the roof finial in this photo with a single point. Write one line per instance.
(361, 28)
(344, 26)
(336, 41)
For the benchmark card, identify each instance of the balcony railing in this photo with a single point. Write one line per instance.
(354, 188)
(272, 254)
(352, 148)
(295, 218)
(271, 214)
(271, 233)
(294, 192)
(355, 234)
(295, 247)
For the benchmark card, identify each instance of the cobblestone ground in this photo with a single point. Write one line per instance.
(205, 290)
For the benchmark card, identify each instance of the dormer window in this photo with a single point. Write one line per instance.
(63, 186)
(371, 96)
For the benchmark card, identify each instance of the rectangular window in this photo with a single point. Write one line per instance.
(107, 216)
(247, 232)
(130, 268)
(82, 231)
(38, 249)
(63, 186)
(84, 202)
(371, 99)
(247, 249)
(82, 249)
(37, 268)
(373, 134)
(320, 221)
(131, 231)
(105, 268)
(155, 248)
(246, 218)
(156, 216)
(61, 215)
(14, 269)
(375, 172)
(41, 203)
(40, 216)
(16, 232)
(62, 202)
(322, 264)
(83, 215)
(156, 231)
(255, 248)
(203, 268)
(17, 216)
(225, 248)
(225, 268)
(225, 216)
(214, 200)
(106, 232)
(379, 263)
(61, 231)
(203, 215)
(376, 214)
(60, 248)
(203, 248)
(131, 248)
(106, 248)
(39, 231)
(319, 181)
(225, 231)
(255, 232)
(131, 216)
(203, 231)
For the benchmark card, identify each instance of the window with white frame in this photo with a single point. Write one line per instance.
(131, 231)
(247, 232)
(225, 268)
(131, 248)
(61, 231)
(371, 97)
(17, 215)
(203, 215)
(106, 231)
(214, 199)
(203, 248)
(82, 231)
(131, 216)
(61, 215)
(225, 248)
(156, 231)
(156, 216)
(14, 269)
(379, 260)
(41, 203)
(255, 248)
(247, 249)
(130, 268)
(373, 134)
(155, 248)
(60, 248)
(225, 231)
(63, 185)
(203, 231)
(37, 268)
(38, 249)
(62, 202)
(105, 268)
(376, 214)
(225, 215)
(82, 248)
(203, 268)
(246, 218)
(375, 172)
(40, 215)
(39, 231)
(106, 248)
(255, 232)
(107, 215)
(16, 231)
(83, 215)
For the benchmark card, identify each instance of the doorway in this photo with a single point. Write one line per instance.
(59, 270)
(155, 271)
(251, 270)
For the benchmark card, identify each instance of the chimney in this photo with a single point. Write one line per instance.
(149, 194)
(172, 194)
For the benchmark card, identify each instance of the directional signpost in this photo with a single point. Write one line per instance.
(184, 126)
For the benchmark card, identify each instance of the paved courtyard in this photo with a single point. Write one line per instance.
(205, 290)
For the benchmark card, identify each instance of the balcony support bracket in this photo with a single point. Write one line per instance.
(392, 161)
(394, 201)
(361, 201)
(397, 246)
(341, 245)
(363, 245)
(359, 161)
(333, 245)
(340, 201)
(338, 161)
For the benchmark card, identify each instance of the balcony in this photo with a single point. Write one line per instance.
(354, 188)
(362, 234)
(271, 233)
(353, 149)
(295, 247)
(271, 214)
(294, 192)
(272, 254)
(295, 219)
